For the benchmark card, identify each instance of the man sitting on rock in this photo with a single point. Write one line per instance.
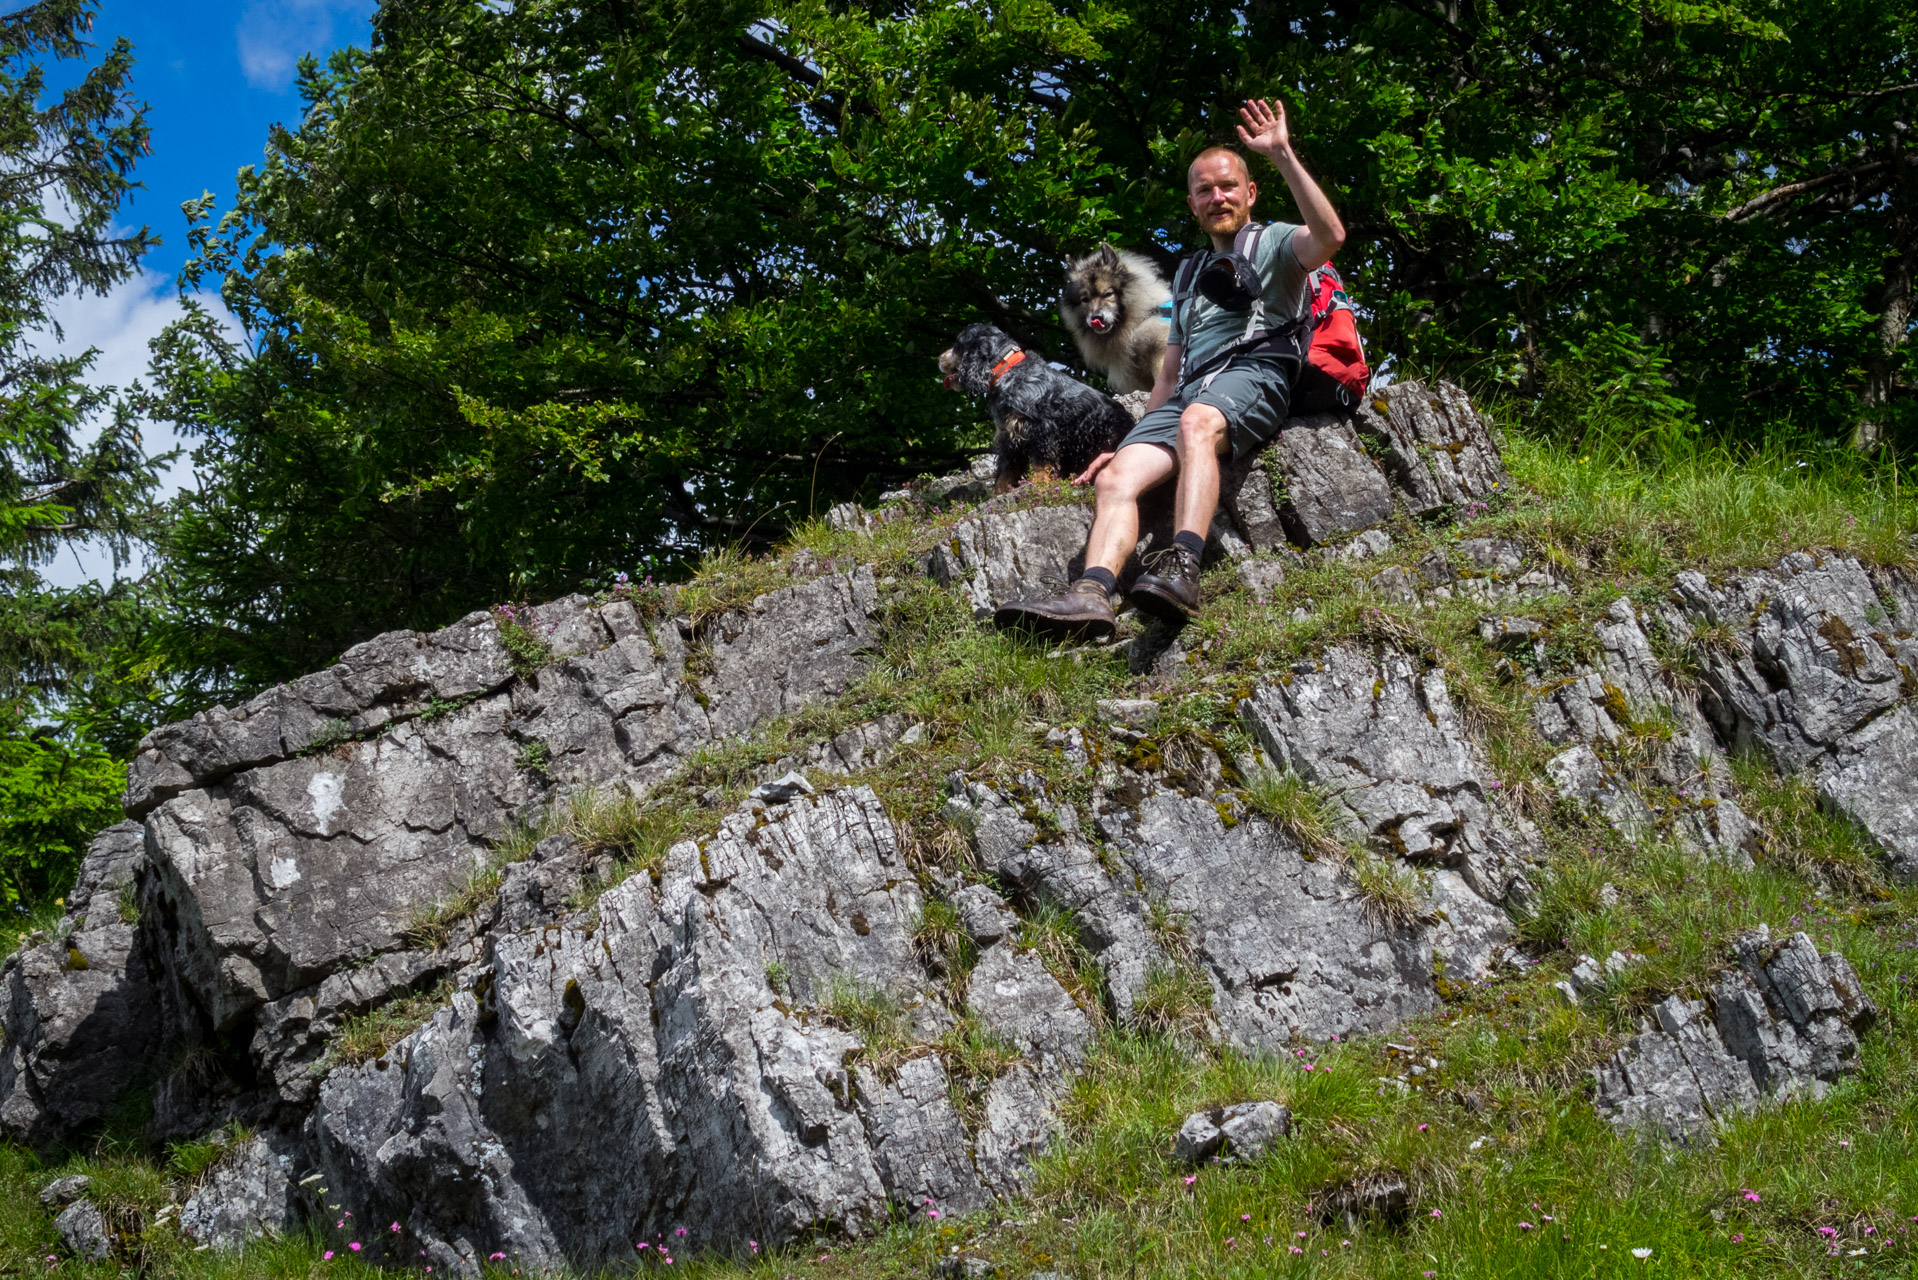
(1225, 384)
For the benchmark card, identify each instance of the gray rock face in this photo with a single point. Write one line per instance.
(1810, 662)
(1013, 996)
(1012, 555)
(1438, 447)
(1602, 708)
(637, 1071)
(83, 1230)
(391, 676)
(280, 879)
(1384, 742)
(1287, 945)
(79, 1015)
(1785, 1023)
(1331, 486)
(248, 1194)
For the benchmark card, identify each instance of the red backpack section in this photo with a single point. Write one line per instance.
(1336, 349)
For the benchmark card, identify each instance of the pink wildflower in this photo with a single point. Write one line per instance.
(354, 1246)
(1751, 1195)
(1437, 1214)
(1245, 1217)
(494, 1257)
(395, 1228)
(1526, 1226)
(1191, 1179)
(932, 1213)
(1422, 1128)
(327, 1256)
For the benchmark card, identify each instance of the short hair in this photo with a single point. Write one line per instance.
(1208, 153)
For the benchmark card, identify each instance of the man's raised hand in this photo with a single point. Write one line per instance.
(1264, 129)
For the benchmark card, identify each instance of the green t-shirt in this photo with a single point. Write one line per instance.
(1204, 328)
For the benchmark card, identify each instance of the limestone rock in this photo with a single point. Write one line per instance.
(1112, 921)
(1382, 739)
(1872, 779)
(249, 1193)
(1438, 446)
(637, 1071)
(1818, 672)
(1012, 555)
(1019, 1124)
(62, 1192)
(1250, 1128)
(1785, 1024)
(1331, 486)
(83, 1230)
(79, 1018)
(920, 1145)
(399, 673)
(984, 914)
(1013, 996)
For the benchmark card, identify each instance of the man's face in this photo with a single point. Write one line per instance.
(1221, 194)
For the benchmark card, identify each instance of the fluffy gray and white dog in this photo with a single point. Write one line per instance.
(1042, 417)
(1111, 307)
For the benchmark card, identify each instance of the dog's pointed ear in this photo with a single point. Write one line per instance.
(1108, 255)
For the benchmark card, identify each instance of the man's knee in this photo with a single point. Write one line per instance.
(1127, 477)
(1202, 428)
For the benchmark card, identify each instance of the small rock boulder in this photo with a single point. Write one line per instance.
(83, 1230)
(1243, 1131)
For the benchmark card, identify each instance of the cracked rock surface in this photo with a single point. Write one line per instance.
(1785, 1022)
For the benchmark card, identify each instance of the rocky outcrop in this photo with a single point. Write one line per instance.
(247, 1194)
(79, 1014)
(684, 1056)
(1634, 731)
(1817, 664)
(800, 1020)
(292, 848)
(1381, 738)
(1784, 1023)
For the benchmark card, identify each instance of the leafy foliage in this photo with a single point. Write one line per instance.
(540, 293)
(74, 691)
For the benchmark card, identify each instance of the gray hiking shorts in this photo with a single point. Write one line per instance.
(1253, 392)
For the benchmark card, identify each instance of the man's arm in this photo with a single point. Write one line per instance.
(1264, 131)
(1161, 392)
(1168, 377)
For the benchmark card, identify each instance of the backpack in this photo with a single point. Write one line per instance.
(1328, 336)
(1336, 349)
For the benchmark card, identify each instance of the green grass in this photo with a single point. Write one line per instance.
(364, 1037)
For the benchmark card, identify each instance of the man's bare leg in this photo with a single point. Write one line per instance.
(1170, 592)
(1134, 471)
(1084, 609)
(1202, 438)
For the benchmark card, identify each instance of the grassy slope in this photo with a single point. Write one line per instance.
(1501, 1134)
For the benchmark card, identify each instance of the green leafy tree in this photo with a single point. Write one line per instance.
(536, 293)
(70, 704)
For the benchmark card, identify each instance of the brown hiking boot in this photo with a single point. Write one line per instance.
(1169, 590)
(1082, 612)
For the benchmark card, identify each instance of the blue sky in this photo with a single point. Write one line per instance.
(216, 75)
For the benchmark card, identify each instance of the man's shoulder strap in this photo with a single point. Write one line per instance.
(1188, 272)
(1246, 242)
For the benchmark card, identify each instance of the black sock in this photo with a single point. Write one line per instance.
(1101, 576)
(1193, 542)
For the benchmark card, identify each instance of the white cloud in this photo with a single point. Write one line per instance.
(274, 34)
(119, 326)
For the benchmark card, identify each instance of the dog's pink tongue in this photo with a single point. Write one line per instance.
(1098, 325)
